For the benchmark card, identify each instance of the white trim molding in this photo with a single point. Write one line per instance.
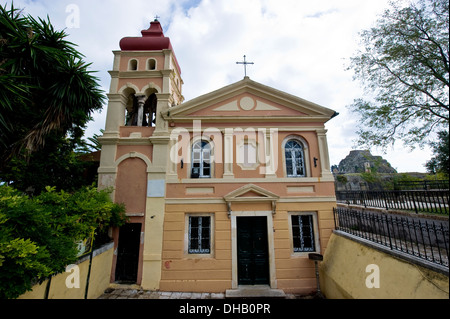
(271, 245)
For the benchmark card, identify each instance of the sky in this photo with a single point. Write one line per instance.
(301, 47)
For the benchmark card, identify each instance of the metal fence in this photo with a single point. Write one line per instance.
(425, 239)
(427, 201)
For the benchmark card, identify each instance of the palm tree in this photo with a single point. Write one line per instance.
(91, 145)
(45, 86)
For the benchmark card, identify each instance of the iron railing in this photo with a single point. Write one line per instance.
(426, 201)
(422, 238)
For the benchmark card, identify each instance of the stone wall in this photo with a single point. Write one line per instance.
(354, 181)
(72, 285)
(354, 270)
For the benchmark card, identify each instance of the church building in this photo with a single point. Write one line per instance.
(229, 190)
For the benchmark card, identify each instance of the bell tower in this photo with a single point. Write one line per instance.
(145, 83)
(145, 80)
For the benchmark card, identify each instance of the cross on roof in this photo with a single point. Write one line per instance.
(245, 64)
(157, 17)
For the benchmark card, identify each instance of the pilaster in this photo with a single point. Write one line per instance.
(163, 106)
(166, 80)
(115, 116)
(154, 220)
(228, 154)
(324, 155)
(271, 152)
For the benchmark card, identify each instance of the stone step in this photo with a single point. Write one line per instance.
(255, 292)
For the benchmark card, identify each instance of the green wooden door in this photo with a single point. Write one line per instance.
(252, 246)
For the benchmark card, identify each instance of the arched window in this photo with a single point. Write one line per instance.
(201, 160)
(133, 65)
(151, 64)
(295, 159)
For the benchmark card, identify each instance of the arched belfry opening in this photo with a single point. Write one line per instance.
(141, 108)
(150, 110)
(131, 107)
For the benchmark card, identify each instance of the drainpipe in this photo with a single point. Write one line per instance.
(89, 269)
(317, 258)
(47, 288)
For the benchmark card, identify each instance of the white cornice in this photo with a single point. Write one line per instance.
(299, 180)
(283, 200)
(268, 126)
(139, 53)
(142, 74)
(247, 119)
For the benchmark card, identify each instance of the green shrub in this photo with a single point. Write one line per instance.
(342, 179)
(38, 235)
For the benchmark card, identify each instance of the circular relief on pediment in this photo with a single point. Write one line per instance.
(247, 103)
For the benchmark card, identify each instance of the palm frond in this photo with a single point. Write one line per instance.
(43, 76)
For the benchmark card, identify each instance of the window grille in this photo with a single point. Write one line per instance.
(303, 233)
(295, 162)
(199, 235)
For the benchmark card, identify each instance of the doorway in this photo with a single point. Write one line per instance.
(128, 253)
(252, 251)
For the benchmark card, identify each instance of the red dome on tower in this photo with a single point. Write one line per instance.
(152, 39)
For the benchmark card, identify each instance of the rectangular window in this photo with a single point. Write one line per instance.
(199, 235)
(303, 233)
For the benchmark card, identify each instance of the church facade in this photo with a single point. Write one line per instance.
(230, 189)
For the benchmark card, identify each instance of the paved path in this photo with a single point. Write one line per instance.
(126, 293)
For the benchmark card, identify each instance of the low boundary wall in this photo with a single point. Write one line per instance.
(99, 278)
(353, 268)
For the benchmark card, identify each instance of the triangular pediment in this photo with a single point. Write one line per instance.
(248, 104)
(248, 99)
(250, 193)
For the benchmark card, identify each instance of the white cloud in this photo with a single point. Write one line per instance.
(298, 46)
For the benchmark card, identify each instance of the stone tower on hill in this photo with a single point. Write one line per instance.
(359, 161)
